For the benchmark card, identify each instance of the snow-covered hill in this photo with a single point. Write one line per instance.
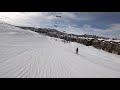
(27, 54)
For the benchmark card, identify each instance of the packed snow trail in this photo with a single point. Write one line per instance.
(26, 54)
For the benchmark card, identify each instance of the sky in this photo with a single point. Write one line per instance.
(96, 23)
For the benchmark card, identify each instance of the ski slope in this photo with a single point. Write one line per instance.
(27, 54)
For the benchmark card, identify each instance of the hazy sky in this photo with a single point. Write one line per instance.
(99, 23)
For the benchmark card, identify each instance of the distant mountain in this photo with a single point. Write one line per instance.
(48, 30)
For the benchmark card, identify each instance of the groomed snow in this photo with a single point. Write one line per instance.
(26, 54)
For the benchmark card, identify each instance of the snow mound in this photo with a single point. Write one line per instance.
(12, 30)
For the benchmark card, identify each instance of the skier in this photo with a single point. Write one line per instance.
(76, 50)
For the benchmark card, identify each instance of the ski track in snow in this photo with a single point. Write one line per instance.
(38, 56)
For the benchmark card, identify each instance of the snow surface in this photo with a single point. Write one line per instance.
(27, 54)
(113, 40)
(110, 40)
